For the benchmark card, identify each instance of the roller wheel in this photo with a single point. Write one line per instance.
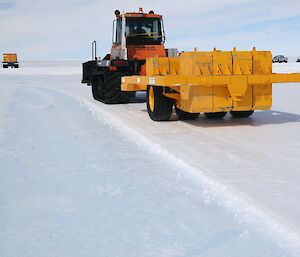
(241, 114)
(159, 106)
(215, 115)
(182, 115)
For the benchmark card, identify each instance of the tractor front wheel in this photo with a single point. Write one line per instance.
(241, 114)
(182, 115)
(159, 106)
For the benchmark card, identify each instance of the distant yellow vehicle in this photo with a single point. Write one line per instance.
(10, 60)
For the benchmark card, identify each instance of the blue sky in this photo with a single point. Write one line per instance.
(64, 29)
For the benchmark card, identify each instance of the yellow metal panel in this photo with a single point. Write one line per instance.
(152, 66)
(174, 65)
(199, 99)
(274, 78)
(242, 62)
(222, 65)
(262, 97)
(162, 66)
(157, 66)
(133, 87)
(222, 99)
(211, 80)
(262, 94)
(196, 63)
(239, 88)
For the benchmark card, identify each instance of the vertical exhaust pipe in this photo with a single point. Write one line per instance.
(94, 50)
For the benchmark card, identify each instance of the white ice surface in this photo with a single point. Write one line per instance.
(80, 178)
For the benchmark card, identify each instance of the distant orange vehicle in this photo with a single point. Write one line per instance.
(10, 60)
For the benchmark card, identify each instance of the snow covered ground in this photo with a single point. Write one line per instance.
(80, 178)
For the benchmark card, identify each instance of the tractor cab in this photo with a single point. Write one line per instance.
(138, 36)
(139, 28)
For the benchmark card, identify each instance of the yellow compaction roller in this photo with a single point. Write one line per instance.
(210, 82)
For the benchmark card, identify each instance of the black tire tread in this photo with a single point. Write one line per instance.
(112, 89)
(163, 105)
(182, 115)
(241, 114)
(215, 115)
(106, 88)
(95, 88)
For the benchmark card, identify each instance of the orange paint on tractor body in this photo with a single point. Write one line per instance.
(142, 52)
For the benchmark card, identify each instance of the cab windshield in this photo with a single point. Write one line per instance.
(141, 31)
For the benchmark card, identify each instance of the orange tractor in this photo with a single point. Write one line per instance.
(137, 36)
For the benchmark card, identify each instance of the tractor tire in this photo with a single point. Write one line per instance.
(106, 88)
(182, 115)
(16, 66)
(215, 115)
(241, 114)
(5, 66)
(97, 88)
(159, 106)
(112, 88)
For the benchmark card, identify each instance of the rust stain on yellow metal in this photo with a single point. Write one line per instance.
(213, 81)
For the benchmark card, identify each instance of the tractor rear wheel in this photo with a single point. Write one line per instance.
(159, 106)
(241, 114)
(106, 88)
(182, 115)
(97, 88)
(215, 115)
(112, 88)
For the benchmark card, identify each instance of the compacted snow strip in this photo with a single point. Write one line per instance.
(168, 139)
(271, 205)
(73, 186)
(247, 209)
